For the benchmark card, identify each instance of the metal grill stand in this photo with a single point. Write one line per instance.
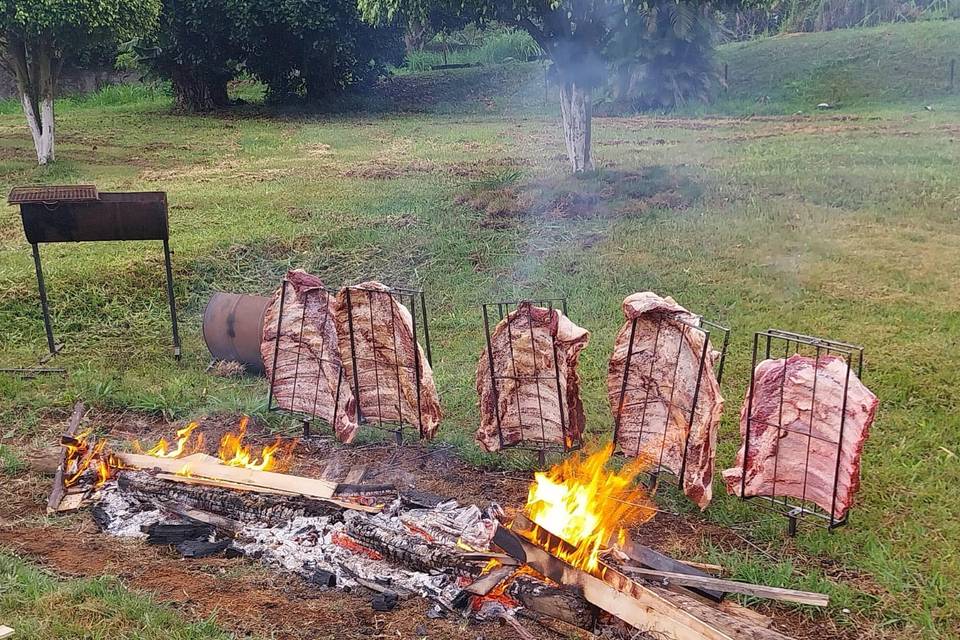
(645, 386)
(382, 372)
(493, 314)
(78, 213)
(775, 341)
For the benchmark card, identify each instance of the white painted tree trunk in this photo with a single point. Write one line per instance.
(36, 71)
(46, 152)
(576, 106)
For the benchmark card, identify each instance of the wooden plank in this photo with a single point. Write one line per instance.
(209, 482)
(731, 586)
(635, 604)
(5, 632)
(737, 626)
(355, 475)
(71, 502)
(209, 467)
(653, 559)
(56, 494)
(486, 583)
(706, 567)
(654, 609)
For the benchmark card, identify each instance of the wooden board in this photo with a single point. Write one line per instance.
(204, 466)
(657, 610)
(648, 557)
(58, 491)
(731, 586)
(5, 632)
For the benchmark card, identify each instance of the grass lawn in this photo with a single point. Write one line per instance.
(846, 227)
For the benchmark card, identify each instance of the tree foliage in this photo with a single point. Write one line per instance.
(195, 47)
(663, 56)
(308, 49)
(37, 36)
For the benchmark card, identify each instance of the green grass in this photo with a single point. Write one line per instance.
(847, 229)
(40, 606)
(905, 65)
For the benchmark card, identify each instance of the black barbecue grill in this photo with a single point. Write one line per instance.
(80, 213)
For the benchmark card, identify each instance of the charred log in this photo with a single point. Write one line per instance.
(557, 602)
(405, 548)
(242, 506)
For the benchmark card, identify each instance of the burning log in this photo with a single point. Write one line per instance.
(207, 470)
(59, 485)
(654, 609)
(557, 602)
(401, 546)
(243, 506)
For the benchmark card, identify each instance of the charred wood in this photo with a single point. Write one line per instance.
(176, 533)
(242, 506)
(59, 489)
(407, 549)
(566, 605)
(201, 548)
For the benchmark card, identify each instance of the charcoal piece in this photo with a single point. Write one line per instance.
(322, 578)
(232, 552)
(421, 499)
(176, 533)
(385, 601)
(100, 517)
(201, 548)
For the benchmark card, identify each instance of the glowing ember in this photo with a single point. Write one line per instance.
(584, 504)
(274, 457)
(163, 448)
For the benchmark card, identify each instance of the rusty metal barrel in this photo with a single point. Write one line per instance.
(233, 328)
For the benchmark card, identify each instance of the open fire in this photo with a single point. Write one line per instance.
(565, 557)
(232, 450)
(587, 505)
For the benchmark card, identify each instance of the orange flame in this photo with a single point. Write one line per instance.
(81, 457)
(586, 505)
(273, 457)
(163, 448)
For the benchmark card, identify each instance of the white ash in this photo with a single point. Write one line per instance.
(305, 544)
(127, 518)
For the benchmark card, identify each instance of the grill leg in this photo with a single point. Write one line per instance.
(171, 299)
(47, 325)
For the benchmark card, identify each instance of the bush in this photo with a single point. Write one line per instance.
(496, 46)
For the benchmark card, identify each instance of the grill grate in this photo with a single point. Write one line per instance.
(56, 193)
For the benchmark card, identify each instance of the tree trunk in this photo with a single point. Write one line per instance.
(195, 93)
(35, 69)
(576, 105)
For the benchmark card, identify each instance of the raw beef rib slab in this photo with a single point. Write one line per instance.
(655, 414)
(802, 462)
(524, 395)
(309, 377)
(395, 381)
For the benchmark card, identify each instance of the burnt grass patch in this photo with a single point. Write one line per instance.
(503, 200)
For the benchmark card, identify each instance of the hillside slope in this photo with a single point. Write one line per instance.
(891, 64)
